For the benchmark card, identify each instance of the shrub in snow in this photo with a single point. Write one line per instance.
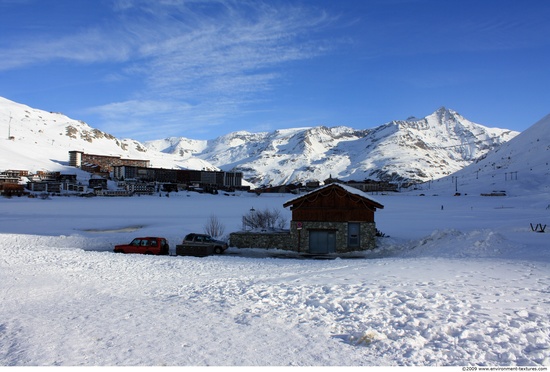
(264, 220)
(214, 227)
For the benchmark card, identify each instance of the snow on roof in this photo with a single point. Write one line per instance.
(349, 189)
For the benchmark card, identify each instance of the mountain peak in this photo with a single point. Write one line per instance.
(444, 113)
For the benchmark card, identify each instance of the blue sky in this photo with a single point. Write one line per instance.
(203, 68)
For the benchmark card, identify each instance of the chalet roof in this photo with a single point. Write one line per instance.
(346, 188)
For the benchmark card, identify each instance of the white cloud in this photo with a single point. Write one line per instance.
(231, 54)
(216, 54)
(137, 118)
(89, 46)
(137, 108)
(220, 63)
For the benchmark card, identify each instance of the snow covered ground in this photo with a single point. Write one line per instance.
(459, 281)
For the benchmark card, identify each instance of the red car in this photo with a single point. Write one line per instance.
(147, 245)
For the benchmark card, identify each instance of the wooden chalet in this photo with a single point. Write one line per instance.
(335, 218)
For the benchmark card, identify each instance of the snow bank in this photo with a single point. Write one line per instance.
(455, 244)
(463, 295)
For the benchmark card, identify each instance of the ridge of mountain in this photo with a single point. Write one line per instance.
(404, 151)
(412, 150)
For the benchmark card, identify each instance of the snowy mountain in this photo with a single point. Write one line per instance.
(516, 167)
(36, 140)
(414, 150)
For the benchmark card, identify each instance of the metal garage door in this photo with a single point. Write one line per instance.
(322, 241)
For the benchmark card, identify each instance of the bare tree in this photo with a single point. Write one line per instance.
(266, 219)
(214, 227)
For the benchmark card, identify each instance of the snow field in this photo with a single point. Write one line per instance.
(462, 286)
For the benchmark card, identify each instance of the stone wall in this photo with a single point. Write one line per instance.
(298, 239)
(244, 239)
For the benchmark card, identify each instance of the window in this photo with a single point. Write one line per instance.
(354, 234)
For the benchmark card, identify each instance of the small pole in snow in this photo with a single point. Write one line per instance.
(9, 127)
